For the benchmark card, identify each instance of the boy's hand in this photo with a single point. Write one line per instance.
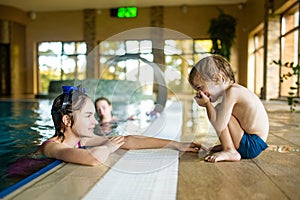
(201, 98)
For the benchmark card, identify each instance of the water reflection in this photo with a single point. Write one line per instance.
(283, 148)
(196, 125)
(24, 125)
(107, 129)
(282, 124)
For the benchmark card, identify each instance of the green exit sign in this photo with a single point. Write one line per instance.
(124, 12)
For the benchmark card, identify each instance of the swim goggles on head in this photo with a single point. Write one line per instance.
(67, 91)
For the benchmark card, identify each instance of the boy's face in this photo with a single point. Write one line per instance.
(210, 88)
(198, 84)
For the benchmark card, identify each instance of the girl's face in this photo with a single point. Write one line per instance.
(103, 108)
(211, 89)
(85, 121)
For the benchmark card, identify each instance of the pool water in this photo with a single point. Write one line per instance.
(24, 126)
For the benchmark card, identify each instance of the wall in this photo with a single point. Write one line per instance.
(17, 20)
(253, 10)
(50, 26)
(13, 14)
(67, 26)
(18, 81)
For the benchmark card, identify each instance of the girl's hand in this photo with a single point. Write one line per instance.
(101, 153)
(114, 143)
(188, 146)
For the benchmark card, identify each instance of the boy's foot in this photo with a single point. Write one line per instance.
(228, 155)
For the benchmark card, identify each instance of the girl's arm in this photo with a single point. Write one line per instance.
(143, 142)
(92, 156)
(112, 143)
(94, 141)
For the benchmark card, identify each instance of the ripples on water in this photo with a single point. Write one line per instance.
(24, 125)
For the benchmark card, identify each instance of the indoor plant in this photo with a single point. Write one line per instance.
(292, 98)
(222, 33)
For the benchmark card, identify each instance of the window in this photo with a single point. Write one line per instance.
(283, 44)
(256, 58)
(67, 60)
(180, 55)
(289, 40)
(60, 61)
(129, 69)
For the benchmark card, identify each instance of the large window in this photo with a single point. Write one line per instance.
(67, 60)
(289, 46)
(60, 61)
(283, 44)
(179, 56)
(129, 69)
(255, 66)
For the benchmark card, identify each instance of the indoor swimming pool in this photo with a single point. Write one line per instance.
(25, 124)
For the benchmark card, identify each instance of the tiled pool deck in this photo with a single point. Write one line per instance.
(275, 174)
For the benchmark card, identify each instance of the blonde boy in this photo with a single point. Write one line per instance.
(240, 120)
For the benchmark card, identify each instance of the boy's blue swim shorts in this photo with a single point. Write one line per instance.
(251, 146)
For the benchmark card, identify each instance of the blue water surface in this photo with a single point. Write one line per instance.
(24, 126)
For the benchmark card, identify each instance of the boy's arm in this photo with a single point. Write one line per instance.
(204, 101)
(219, 116)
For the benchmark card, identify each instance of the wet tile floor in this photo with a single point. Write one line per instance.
(274, 174)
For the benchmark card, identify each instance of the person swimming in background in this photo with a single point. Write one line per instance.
(240, 120)
(108, 123)
(104, 110)
(74, 141)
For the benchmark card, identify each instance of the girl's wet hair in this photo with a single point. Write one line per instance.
(211, 65)
(66, 104)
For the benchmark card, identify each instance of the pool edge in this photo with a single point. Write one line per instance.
(18, 187)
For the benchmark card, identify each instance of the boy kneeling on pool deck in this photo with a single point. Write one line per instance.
(240, 120)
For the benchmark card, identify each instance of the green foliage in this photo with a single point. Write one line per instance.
(222, 33)
(291, 99)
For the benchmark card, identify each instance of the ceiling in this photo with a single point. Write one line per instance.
(64, 5)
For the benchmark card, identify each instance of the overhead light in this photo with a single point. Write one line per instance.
(32, 15)
(184, 8)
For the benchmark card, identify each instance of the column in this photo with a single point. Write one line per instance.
(89, 27)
